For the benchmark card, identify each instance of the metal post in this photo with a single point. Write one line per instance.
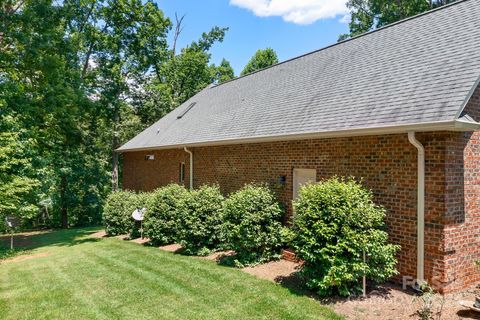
(364, 278)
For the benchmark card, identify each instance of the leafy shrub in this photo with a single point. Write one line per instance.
(117, 212)
(334, 222)
(200, 220)
(161, 217)
(252, 224)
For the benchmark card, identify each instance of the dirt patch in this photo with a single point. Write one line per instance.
(140, 240)
(99, 234)
(217, 256)
(171, 247)
(392, 302)
(25, 257)
(273, 270)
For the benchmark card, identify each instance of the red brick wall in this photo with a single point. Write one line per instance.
(461, 242)
(386, 163)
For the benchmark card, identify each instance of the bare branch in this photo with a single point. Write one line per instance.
(178, 31)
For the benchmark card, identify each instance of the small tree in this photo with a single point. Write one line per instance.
(335, 222)
(160, 222)
(200, 220)
(252, 224)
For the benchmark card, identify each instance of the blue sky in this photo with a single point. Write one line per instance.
(290, 29)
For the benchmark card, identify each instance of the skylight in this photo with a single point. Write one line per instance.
(186, 110)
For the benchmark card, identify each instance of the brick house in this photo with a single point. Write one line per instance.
(398, 107)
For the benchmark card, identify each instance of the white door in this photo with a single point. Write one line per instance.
(301, 177)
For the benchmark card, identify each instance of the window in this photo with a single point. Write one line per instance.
(182, 172)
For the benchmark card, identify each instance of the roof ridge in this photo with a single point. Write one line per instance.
(344, 41)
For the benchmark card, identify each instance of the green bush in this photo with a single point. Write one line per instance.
(252, 225)
(161, 217)
(335, 221)
(200, 220)
(117, 212)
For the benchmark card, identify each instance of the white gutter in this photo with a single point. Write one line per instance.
(420, 207)
(448, 125)
(191, 166)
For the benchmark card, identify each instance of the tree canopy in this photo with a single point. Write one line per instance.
(260, 60)
(366, 15)
(77, 79)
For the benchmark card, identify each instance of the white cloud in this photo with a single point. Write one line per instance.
(346, 18)
(296, 11)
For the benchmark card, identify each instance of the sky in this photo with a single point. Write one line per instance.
(290, 27)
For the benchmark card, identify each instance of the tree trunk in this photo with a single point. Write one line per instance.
(115, 143)
(63, 202)
(115, 169)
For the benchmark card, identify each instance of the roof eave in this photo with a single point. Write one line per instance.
(449, 125)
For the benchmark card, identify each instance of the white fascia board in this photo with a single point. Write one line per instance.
(449, 125)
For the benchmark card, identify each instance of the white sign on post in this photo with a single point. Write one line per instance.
(12, 222)
(137, 215)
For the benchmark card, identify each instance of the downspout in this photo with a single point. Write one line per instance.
(420, 207)
(191, 166)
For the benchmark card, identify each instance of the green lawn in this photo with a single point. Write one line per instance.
(74, 276)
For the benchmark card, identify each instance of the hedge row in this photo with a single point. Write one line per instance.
(202, 220)
(117, 212)
(336, 223)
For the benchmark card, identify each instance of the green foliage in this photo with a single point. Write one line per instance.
(260, 60)
(367, 15)
(118, 209)
(161, 217)
(77, 79)
(200, 220)
(224, 72)
(252, 224)
(16, 183)
(179, 77)
(335, 222)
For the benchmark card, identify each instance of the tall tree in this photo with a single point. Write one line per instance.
(223, 72)
(123, 41)
(260, 60)
(367, 15)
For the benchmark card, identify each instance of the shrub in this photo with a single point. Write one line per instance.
(334, 222)
(117, 212)
(161, 217)
(200, 219)
(252, 224)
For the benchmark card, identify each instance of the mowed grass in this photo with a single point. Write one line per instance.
(70, 275)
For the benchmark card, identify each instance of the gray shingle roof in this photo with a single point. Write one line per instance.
(418, 71)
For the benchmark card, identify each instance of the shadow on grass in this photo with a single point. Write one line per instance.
(296, 285)
(32, 240)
